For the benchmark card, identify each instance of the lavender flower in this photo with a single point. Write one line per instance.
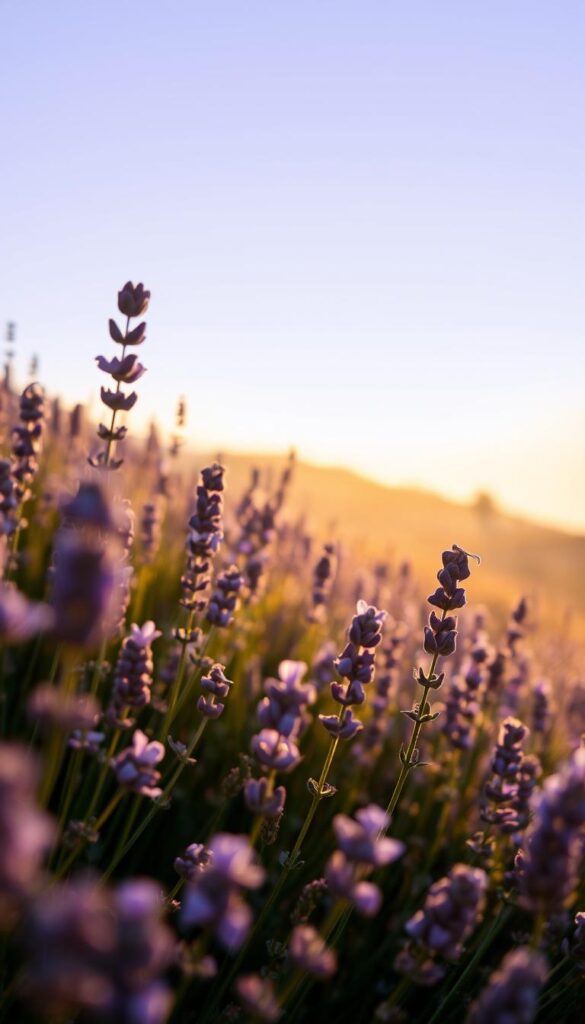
(361, 848)
(371, 742)
(262, 799)
(86, 573)
(283, 707)
(309, 952)
(274, 751)
(452, 909)
(66, 711)
(214, 898)
(101, 952)
(18, 472)
(25, 832)
(464, 698)
(217, 685)
(150, 529)
(20, 618)
(541, 706)
(500, 805)
(132, 302)
(356, 665)
(512, 992)
(258, 997)
(193, 860)
(323, 665)
(548, 866)
(133, 673)
(134, 766)
(323, 575)
(224, 601)
(206, 534)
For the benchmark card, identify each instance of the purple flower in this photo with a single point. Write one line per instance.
(309, 952)
(361, 848)
(133, 672)
(258, 997)
(260, 799)
(205, 537)
(275, 751)
(511, 995)
(548, 866)
(67, 711)
(214, 897)
(356, 665)
(224, 601)
(323, 575)
(218, 685)
(20, 618)
(117, 401)
(360, 838)
(133, 300)
(26, 833)
(286, 698)
(344, 728)
(101, 952)
(452, 909)
(127, 370)
(135, 766)
(193, 860)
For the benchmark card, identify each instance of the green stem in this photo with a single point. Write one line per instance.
(407, 762)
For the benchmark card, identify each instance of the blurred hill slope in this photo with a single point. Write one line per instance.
(394, 523)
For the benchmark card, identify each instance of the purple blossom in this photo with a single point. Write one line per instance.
(511, 995)
(25, 832)
(548, 866)
(205, 537)
(360, 838)
(133, 672)
(262, 799)
(127, 370)
(308, 950)
(194, 859)
(258, 997)
(452, 909)
(214, 897)
(51, 707)
(133, 299)
(323, 575)
(356, 665)
(135, 766)
(101, 952)
(224, 601)
(216, 684)
(274, 751)
(361, 848)
(20, 618)
(286, 699)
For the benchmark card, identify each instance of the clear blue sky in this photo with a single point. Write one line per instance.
(362, 225)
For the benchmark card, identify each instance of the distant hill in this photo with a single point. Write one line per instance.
(518, 556)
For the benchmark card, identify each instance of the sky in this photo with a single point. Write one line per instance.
(362, 224)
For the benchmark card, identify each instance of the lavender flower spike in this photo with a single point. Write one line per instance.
(135, 766)
(453, 907)
(361, 848)
(512, 992)
(307, 949)
(214, 897)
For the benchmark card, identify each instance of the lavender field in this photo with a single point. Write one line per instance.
(254, 770)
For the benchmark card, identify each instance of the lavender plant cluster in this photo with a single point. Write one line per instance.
(245, 774)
